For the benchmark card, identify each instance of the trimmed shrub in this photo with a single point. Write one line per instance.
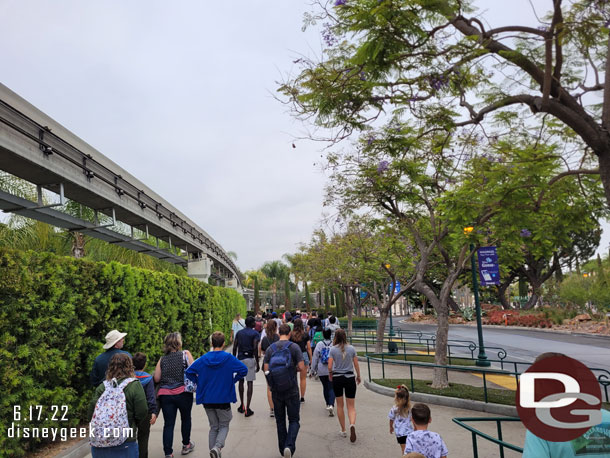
(515, 318)
(55, 312)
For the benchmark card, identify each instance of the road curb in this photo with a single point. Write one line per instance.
(446, 401)
(78, 450)
(519, 328)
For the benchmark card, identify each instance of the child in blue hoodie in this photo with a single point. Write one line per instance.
(214, 375)
(139, 363)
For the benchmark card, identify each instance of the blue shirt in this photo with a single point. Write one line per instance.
(595, 443)
(100, 365)
(215, 374)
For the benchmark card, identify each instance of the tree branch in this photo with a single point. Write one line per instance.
(562, 175)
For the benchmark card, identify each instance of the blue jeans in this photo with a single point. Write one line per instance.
(170, 404)
(125, 450)
(329, 393)
(281, 407)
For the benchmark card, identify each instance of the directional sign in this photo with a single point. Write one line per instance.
(489, 270)
(396, 287)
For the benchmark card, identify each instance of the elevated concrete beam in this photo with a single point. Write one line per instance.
(36, 148)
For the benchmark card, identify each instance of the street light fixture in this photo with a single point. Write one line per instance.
(482, 360)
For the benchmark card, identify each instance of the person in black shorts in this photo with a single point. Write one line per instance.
(245, 347)
(342, 363)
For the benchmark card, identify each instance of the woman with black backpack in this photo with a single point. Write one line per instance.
(319, 367)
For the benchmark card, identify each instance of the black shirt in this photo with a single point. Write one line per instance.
(302, 343)
(314, 322)
(246, 340)
(266, 343)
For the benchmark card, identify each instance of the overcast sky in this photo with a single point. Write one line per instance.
(180, 94)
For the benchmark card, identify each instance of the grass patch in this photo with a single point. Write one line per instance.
(455, 390)
(424, 359)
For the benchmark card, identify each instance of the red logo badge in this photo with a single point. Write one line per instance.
(559, 399)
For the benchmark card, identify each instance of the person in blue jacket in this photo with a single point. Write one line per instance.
(216, 373)
(139, 364)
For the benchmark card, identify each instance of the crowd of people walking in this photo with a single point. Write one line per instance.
(293, 347)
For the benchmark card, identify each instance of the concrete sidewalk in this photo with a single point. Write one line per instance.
(255, 437)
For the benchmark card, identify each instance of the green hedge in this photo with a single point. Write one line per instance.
(55, 312)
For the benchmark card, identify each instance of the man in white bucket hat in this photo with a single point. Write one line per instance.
(113, 345)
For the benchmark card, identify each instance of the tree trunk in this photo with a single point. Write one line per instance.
(454, 305)
(257, 302)
(502, 296)
(604, 170)
(440, 378)
(532, 301)
(383, 317)
(307, 299)
(78, 245)
(350, 309)
(296, 291)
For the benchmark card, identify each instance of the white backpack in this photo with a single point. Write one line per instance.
(109, 423)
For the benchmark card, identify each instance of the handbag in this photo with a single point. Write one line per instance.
(189, 385)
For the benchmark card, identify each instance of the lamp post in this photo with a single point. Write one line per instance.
(387, 266)
(482, 357)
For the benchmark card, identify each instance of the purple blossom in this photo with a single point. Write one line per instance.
(382, 167)
(437, 82)
(525, 233)
(370, 140)
(328, 36)
(340, 2)
(362, 76)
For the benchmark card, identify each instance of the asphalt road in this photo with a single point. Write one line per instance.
(525, 345)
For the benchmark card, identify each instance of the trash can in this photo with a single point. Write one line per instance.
(392, 347)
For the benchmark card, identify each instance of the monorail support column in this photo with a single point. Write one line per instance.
(200, 267)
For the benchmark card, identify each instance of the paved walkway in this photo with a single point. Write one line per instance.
(255, 437)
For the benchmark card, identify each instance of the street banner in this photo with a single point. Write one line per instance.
(489, 270)
(396, 287)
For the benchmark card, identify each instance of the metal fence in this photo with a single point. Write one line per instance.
(475, 432)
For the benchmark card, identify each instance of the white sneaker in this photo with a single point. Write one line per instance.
(287, 453)
(343, 433)
(331, 411)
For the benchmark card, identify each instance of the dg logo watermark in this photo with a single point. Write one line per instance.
(559, 399)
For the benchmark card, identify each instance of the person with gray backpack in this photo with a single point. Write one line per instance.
(117, 408)
(319, 367)
(282, 361)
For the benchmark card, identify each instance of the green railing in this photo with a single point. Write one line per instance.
(498, 441)
(418, 340)
(602, 375)
(381, 357)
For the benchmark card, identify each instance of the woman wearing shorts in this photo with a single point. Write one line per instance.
(342, 363)
(300, 337)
